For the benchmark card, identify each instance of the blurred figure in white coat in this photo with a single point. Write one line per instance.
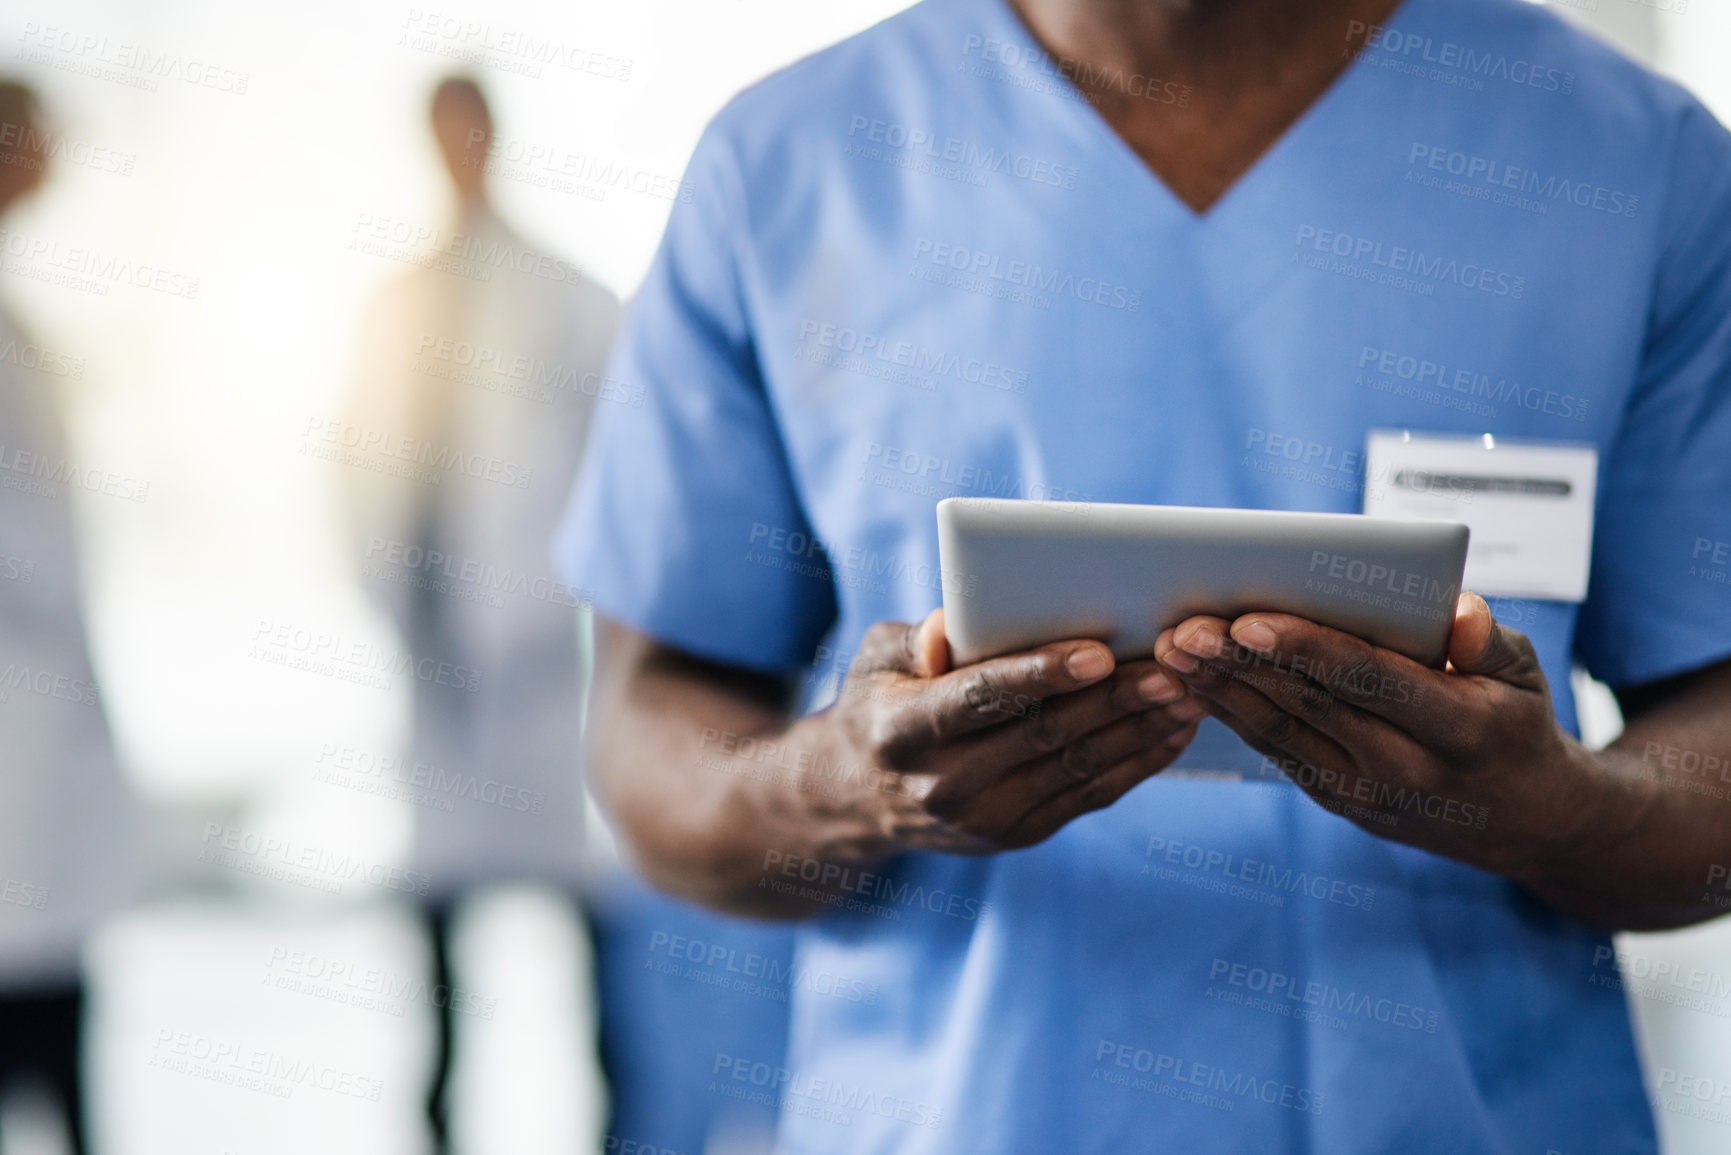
(67, 831)
(480, 372)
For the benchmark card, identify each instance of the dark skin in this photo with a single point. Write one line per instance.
(957, 761)
(1253, 68)
(1465, 762)
(1615, 838)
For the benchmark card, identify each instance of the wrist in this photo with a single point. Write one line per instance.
(839, 808)
(1596, 809)
(783, 805)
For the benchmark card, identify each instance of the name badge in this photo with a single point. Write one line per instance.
(1529, 505)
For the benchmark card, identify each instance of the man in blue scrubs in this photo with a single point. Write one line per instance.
(1095, 250)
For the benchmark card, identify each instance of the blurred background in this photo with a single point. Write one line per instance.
(230, 188)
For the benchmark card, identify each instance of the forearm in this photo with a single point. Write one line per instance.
(1655, 812)
(1640, 863)
(726, 800)
(704, 775)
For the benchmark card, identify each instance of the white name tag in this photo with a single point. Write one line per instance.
(1529, 505)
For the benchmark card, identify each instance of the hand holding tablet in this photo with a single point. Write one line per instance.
(1336, 645)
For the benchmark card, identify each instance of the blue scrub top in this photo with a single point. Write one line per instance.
(679, 986)
(919, 264)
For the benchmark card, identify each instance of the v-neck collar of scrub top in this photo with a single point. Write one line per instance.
(1218, 262)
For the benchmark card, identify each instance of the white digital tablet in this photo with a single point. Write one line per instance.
(1019, 574)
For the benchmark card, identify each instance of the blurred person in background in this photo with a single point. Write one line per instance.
(67, 831)
(494, 354)
(489, 358)
(503, 367)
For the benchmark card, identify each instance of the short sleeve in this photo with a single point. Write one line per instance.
(686, 482)
(1659, 603)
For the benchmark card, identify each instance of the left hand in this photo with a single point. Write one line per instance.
(1466, 762)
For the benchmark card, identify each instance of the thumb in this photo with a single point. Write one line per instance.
(1479, 644)
(931, 647)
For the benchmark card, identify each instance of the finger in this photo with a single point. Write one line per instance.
(1481, 645)
(989, 798)
(1099, 792)
(974, 697)
(931, 647)
(1291, 691)
(1380, 682)
(917, 651)
(1343, 792)
(1317, 779)
(1041, 726)
(1249, 712)
(1169, 647)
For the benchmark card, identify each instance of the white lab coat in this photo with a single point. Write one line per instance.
(508, 749)
(67, 822)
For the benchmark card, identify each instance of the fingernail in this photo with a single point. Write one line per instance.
(1088, 663)
(1255, 635)
(1180, 661)
(1157, 687)
(1204, 642)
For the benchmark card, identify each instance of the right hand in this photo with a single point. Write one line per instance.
(990, 757)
